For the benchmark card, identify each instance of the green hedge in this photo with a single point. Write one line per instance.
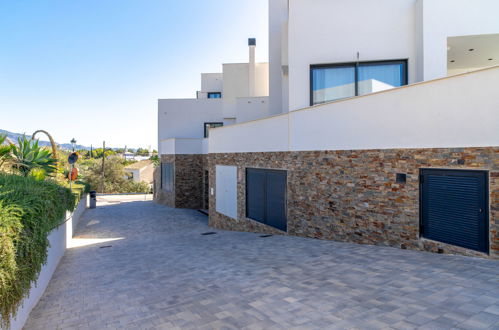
(29, 211)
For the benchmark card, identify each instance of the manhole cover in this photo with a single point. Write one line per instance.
(209, 233)
(263, 236)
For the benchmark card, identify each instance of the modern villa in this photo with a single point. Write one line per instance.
(374, 122)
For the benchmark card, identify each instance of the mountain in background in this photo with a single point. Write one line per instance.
(14, 136)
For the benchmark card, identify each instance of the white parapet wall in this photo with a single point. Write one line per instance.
(59, 239)
(183, 146)
(270, 134)
(458, 111)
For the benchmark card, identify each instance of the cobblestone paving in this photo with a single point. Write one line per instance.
(164, 275)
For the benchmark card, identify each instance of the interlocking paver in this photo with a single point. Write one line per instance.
(162, 274)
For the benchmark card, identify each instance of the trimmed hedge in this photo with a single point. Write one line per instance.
(29, 211)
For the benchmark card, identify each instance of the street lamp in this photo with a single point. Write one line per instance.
(73, 143)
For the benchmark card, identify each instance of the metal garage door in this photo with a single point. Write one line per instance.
(454, 207)
(266, 197)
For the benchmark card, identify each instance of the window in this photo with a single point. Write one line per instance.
(336, 81)
(214, 95)
(207, 127)
(266, 197)
(167, 177)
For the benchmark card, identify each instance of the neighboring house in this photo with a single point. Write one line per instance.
(382, 128)
(141, 171)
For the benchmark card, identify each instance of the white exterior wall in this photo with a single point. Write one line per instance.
(59, 240)
(251, 108)
(183, 146)
(236, 84)
(270, 134)
(324, 31)
(278, 20)
(211, 82)
(449, 18)
(185, 118)
(460, 111)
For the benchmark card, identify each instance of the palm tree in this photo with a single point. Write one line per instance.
(28, 155)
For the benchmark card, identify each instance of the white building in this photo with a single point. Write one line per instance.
(141, 171)
(377, 109)
(240, 93)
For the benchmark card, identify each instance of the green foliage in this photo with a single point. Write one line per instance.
(27, 155)
(142, 152)
(115, 178)
(97, 153)
(5, 151)
(29, 211)
(155, 160)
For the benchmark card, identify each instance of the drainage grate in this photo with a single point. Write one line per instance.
(105, 246)
(263, 236)
(209, 233)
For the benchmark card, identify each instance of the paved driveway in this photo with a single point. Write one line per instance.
(164, 274)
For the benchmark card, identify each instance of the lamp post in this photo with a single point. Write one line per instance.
(72, 160)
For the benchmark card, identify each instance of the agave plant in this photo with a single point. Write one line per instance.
(28, 155)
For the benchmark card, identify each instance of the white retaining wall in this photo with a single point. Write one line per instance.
(459, 111)
(58, 239)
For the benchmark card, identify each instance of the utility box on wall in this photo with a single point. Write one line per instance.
(226, 190)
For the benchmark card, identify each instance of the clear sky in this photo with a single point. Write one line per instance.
(94, 69)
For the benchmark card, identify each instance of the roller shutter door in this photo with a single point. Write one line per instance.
(454, 207)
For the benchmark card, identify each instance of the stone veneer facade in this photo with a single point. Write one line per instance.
(352, 196)
(188, 188)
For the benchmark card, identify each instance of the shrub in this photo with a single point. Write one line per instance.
(28, 155)
(29, 211)
(115, 180)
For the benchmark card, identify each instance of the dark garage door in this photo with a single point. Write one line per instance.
(266, 197)
(454, 207)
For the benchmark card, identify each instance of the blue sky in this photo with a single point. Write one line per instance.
(94, 69)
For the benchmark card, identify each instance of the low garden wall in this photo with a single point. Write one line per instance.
(59, 239)
(37, 219)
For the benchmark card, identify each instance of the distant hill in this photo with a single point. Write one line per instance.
(42, 142)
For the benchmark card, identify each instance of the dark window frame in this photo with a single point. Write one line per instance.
(206, 133)
(265, 170)
(356, 65)
(214, 93)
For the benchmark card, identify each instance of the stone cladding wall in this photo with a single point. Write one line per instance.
(162, 196)
(188, 184)
(352, 196)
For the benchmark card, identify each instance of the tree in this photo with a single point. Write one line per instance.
(115, 178)
(28, 155)
(142, 152)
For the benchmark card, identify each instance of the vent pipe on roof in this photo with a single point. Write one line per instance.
(252, 67)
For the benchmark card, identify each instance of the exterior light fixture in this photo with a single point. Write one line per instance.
(490, 59)
(471, 49)
(452, 61)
